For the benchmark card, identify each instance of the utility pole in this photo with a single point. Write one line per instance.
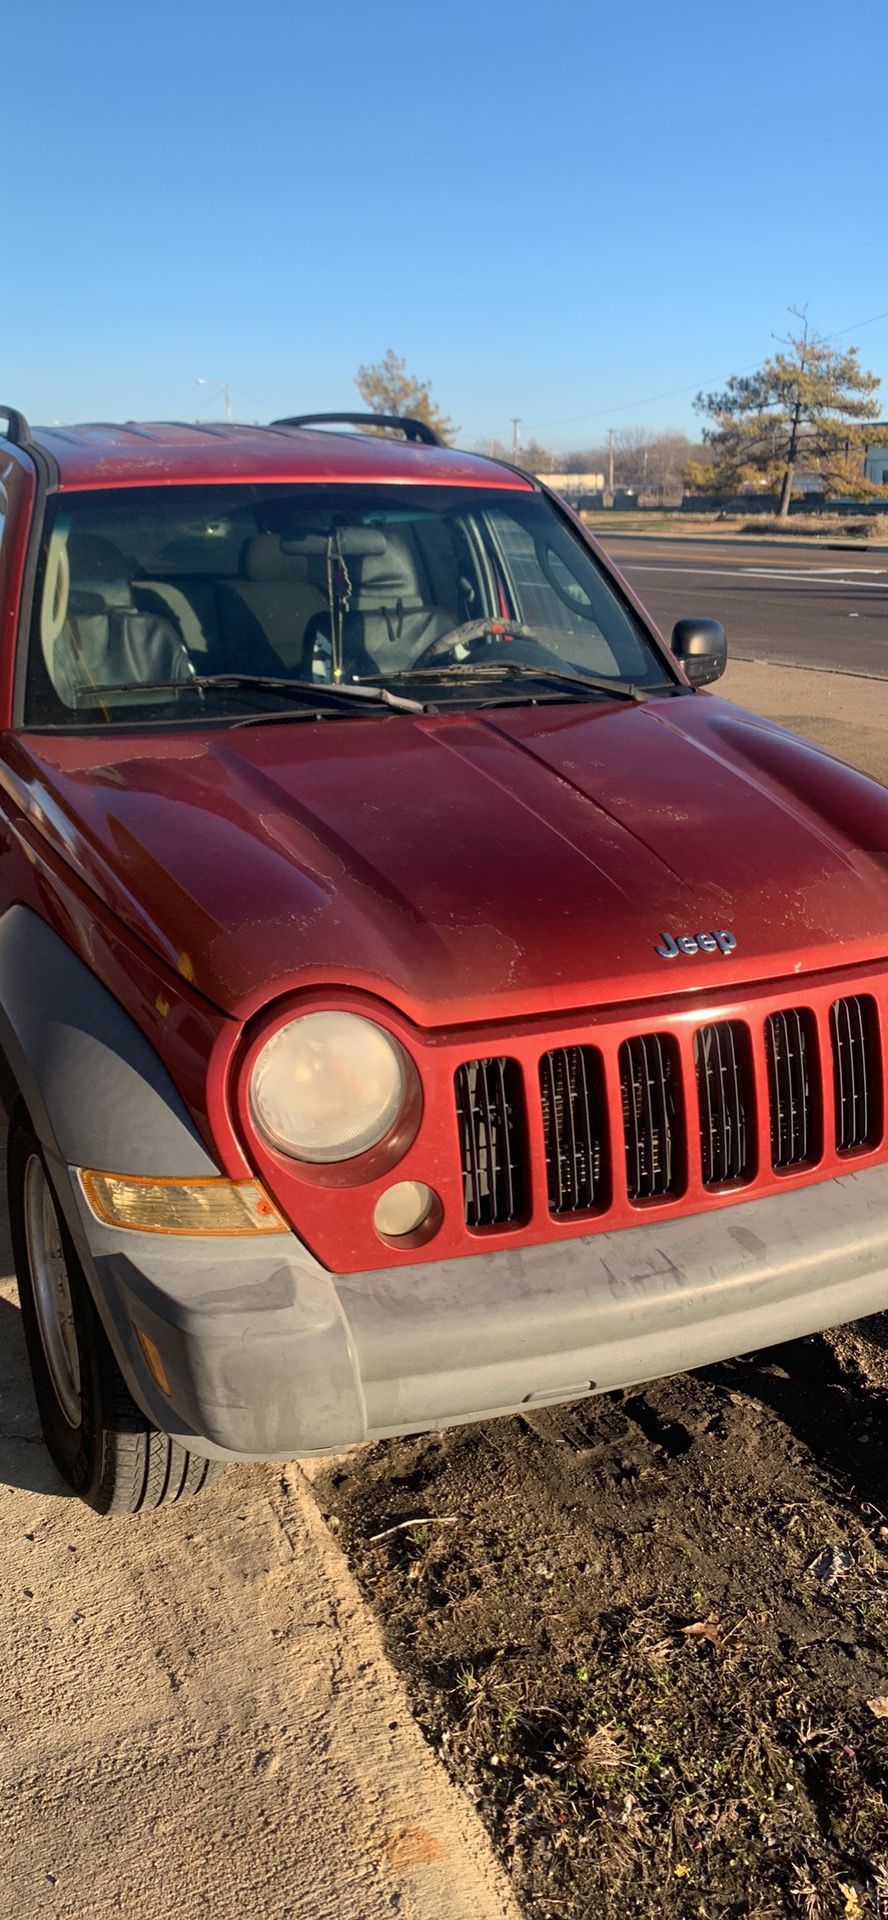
(610, 460)
(222, 387)
(516, 437)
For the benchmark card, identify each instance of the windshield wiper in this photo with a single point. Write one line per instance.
(325, 691)
(520, 670)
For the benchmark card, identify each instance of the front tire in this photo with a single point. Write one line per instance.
(104, 1447)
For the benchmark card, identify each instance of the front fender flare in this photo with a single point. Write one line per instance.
(97, 1093)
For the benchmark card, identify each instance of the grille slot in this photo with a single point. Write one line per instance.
(724, 1080)
(649, 1077)
(791, 1045)
(856, 1075)
(490, 1112)
(572, 1099)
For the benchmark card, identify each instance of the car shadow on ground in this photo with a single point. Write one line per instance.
(837, 1412)
(24, 1461)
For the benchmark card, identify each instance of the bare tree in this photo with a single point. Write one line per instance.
(632, 446)
(644, 458)
(533, 458)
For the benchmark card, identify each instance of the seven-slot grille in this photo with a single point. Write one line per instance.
(658, 1112)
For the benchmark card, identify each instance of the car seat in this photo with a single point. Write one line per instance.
(388, 622)
(263, 615)
(105, 638)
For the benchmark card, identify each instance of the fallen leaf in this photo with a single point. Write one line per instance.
(709, 1629)
(852, 1909)
(879, 1706)
(832, 1564)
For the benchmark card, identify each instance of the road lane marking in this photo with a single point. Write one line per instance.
(711, 555)
(756, 573)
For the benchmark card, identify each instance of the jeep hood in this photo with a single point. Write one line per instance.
(470, 866)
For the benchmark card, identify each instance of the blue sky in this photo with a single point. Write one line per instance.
(551, 210)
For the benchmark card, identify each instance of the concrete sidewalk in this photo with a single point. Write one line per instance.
(197, 1717)
(846, 713)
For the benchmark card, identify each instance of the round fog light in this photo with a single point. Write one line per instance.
(403, 1208)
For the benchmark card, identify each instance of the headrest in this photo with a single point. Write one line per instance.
(195, 553)
(99, 569)
(264, 560)
(390, 574)
(354, 543)
(84, 605)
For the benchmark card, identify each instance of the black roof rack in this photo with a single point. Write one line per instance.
(17, 428)
(417, 430)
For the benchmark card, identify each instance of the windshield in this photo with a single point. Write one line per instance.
(184, 604)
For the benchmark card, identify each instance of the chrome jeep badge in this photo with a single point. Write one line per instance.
(722, 942)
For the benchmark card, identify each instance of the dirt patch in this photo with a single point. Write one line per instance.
(646, 1638)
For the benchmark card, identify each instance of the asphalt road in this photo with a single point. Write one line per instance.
(798, 607)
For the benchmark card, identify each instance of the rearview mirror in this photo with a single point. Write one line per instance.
(702, 648)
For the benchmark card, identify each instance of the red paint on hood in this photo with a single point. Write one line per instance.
(473, 866)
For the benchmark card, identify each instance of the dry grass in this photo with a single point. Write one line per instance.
(799, 526)
(873, 526)
(602, 1752)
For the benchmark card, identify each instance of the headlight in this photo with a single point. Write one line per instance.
(328, 1086)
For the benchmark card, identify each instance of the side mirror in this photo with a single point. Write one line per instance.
(702, 648)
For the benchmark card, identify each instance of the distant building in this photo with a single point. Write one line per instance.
(574, 483)
(875, 462)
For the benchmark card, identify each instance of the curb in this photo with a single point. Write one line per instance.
(741, 540)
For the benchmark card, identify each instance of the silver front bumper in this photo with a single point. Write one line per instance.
(268, 1354)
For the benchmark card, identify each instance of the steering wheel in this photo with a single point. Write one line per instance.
(488, 631)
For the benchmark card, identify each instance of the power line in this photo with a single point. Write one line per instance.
(857, 325)
(675, 393)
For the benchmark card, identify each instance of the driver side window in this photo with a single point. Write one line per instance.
(559, 590)
(549, 596)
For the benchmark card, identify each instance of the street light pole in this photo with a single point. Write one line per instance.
(225, 390)
(516, 437)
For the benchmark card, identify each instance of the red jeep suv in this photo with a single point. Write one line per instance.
(418, 1000)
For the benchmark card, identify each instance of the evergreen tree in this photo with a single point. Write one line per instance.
(387, 387)
(808, 406)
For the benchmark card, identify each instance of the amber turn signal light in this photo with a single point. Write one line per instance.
(179, 1206)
